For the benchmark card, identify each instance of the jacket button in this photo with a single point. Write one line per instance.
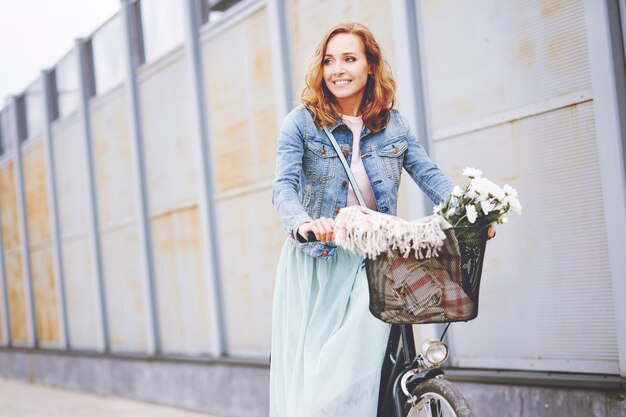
(324, 253)
(323, 151)
(344, 183)
(336, 211)
(345, 154)
(395, 150)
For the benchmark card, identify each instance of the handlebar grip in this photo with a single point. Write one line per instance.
(310, 237)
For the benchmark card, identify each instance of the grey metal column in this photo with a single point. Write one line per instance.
(610, 152)
(136, 133)
(206, 201)
(84, 115)
(281, 58)
(3, 281)
(47, 95)
(21, 206)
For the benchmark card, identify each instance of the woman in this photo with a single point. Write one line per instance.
(327, 348)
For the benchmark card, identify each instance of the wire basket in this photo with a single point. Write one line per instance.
(445, 288)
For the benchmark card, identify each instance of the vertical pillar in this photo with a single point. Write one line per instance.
(282, 72)
(48, 97)
(84, 116)
(23, 224)
(606, 76)
(136, 133)
(411, 79)
(206, 202)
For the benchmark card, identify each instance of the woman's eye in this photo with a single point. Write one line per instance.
(350, 59)
(327, 61)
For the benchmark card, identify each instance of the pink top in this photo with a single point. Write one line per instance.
(356, 165)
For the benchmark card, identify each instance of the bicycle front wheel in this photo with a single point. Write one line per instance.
(438, 398)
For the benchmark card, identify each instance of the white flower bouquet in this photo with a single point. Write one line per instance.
(480, 203)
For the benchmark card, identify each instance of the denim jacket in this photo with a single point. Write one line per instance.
(310, 181)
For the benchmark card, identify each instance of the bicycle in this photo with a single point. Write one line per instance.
(412, 383)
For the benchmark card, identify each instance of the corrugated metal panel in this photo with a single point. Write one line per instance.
(36, 193)
(546, 297)
(169, 145)
(251, 238)
(8, 206)
(38, 218)
(125, 290)
(241, 99)
(18, 313)
(181, 284)
(81, 295)
(11, 242)
(112, 155)
(71, 175)
(488, 56)
(310, 19)
(45, 296)
(73, 210)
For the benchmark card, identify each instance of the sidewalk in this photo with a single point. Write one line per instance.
(20, 399)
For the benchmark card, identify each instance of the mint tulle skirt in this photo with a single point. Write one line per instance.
(327, 348)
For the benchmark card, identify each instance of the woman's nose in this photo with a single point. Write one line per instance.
(338, 69)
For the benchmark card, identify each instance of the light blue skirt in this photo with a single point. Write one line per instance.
(327, 348)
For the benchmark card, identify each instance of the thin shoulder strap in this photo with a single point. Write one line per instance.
(355, 186)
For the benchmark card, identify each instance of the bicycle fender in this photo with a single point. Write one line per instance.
(417, 379)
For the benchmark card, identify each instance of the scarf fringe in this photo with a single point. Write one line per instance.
(369, 233)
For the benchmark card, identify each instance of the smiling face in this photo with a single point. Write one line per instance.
(345, 70)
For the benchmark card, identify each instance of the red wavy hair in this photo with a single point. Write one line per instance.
(380, 90)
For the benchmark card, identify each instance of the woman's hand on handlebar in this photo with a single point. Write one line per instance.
(491, 233)
(322, 228)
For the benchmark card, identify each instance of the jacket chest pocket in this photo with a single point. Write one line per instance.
(319, 160)
(391, 157)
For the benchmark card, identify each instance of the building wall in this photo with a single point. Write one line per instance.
(508, 90)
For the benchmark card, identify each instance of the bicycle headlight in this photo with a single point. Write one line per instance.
(435, 351)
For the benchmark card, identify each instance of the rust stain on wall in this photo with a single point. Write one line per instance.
(36, 192)
(17, 298)
(45, 296)
(8, 208)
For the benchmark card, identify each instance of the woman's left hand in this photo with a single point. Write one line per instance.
(491, 233)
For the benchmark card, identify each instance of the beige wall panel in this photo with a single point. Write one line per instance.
(8, 208)
(169, 135)
(45, 296)
(547, 271)
(36, 190)
(125, 290)
(241, 103)
(182, 292)
(72, 178)
(310, 19)
(251, 238)
(508, 55)
(17, 298)
(114, 162)
(81, 295)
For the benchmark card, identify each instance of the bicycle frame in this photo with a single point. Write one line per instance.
(400, 357)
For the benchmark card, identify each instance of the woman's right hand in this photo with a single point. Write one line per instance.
(322, 228)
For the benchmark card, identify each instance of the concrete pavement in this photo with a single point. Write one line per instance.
(20, 399)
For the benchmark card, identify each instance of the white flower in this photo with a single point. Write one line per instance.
(471, 213)
(508, 190)
(457, 191)
(503, 220)
(515, 205)
(472, 172)
(437, 208)
(487, 206)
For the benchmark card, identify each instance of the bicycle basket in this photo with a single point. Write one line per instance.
(438, 289)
